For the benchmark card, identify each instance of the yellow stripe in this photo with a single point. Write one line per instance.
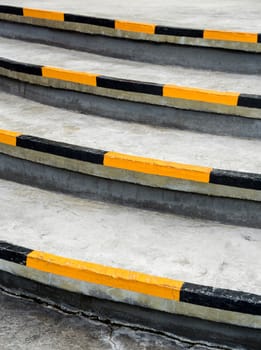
(230, 36)
(104, 275)
(8, 137)
(135, 27)
(157, 167)
(43, 14)
(210, 96)
(67, 75)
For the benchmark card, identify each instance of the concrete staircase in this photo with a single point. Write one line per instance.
(130, 167)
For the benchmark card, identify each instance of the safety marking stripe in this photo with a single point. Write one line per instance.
(161, 287)
(146, 28)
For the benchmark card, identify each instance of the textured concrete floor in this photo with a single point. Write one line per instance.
(223, 14)
(35, 119)
(25, 325)
(160, 244)
(86, 62)
(192, 250)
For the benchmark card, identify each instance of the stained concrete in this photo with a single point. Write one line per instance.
(224, 14)
(196, 330)
(87, 62)
(27, 325)
(196, 251)
(27, 117)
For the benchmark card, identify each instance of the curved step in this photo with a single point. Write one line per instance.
(130, 172)
(100, 85)
(88, 247)
(180, 146)
(178, 44)
(145, 265)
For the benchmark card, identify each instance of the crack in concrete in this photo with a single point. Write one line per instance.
(114, 345)
(113, 325)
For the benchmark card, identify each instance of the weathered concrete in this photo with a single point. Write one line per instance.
(215, 202)
(123, 175)
(27, 325)
(189, 56)
(24, 171)
(130, 35)
(196, 251)
(134, 97)
(224, 209)
(118, 316)
(226, 14)
(27, 117)
(208, 122)
(103, 292)
(87, 62)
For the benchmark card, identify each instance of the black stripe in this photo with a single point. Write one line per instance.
(103, 22)
(247, 100)
(20, 67)
(61, 149)
(236, 179)
(218, 298)
(193, 33)
(259, 38)
(12, 10)
(13, 253)
(130, 85)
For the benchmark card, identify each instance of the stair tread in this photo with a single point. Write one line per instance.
(195, 251)
(225, 15)
(86, 62)
(224, 152)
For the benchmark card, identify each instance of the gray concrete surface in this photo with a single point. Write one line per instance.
(27, 117)
(87, 62)
(27, 325)
(156, 246)
(165, 245)
(169, 54)
(190, 330)
(224, 14)
(133, 193)
(149, 114)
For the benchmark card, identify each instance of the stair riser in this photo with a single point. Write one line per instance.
(207, 122)
(226, 210)
(232, 61)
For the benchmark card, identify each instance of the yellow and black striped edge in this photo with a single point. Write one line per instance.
(133, 163)
(165, 288)
(133, 86)
(147, 28)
